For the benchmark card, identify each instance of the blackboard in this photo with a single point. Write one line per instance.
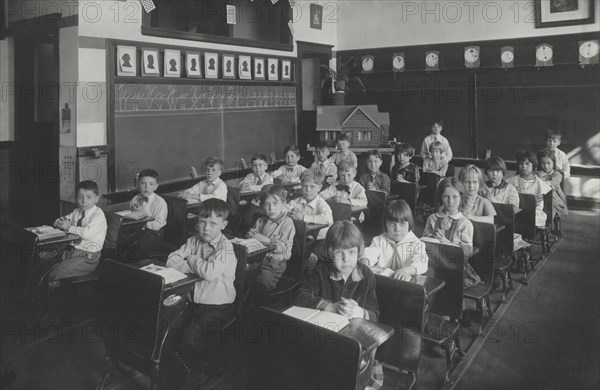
(172, 127)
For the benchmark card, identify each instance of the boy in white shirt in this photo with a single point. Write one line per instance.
(290, 172)
(88, 222)
(437, 126)
(212, 186)
(347, 190)
(154, 207)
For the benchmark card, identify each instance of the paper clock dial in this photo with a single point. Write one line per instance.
(589, 52)
(432, 60)
(544, 55)
(507, 57)
(398, 62)
(367, 64)
(472, 54)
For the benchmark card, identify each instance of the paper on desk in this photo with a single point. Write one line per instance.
(252, 244)
(46, 232)
(324, 319)
(135, 215)
(170, 275)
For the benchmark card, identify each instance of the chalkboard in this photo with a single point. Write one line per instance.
(172, 127)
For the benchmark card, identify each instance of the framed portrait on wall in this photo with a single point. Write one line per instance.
(193, 68)
(211, 65)
(150, 63)
(228, 66)
(259, 68)
(286, 70)
(126, 61)
(553, 13)
(272, 67)
(316, 16)
(172, 64)
(245, 67)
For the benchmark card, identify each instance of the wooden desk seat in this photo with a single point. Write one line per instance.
(505, 215)
(293, 354)
(402, 306)
(484, 234)
(406, 191)
(446, 262)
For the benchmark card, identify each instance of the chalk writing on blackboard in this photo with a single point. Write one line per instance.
(161, 97)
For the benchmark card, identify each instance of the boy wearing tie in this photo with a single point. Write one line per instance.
(88, 222)
(154, 207)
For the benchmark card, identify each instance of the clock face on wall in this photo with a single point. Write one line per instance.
(398, 63)
(367, 64)
(544, 55)
(507, 57)
(589, 49)
(472, 54)
(432, 60)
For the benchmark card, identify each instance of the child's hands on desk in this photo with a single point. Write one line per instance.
(63, 224)
(439, 234)
(253, 233)
(245, 187)
(405, 273)
(296, 215)
(137, 206)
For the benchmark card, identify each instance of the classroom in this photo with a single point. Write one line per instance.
(295, 194)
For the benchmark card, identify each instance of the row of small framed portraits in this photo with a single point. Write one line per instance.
(200, 65)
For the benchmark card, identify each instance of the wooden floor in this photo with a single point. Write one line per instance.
(545, 336)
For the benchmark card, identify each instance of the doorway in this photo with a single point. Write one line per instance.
(35, 181)
(310, 58)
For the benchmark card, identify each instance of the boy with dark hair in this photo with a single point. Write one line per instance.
(374, 179)
(88, 222)
(209, 255)
(154, 207)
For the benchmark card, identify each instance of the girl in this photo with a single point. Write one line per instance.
(398, 249)
(436, 163)
(548, 174)
(342, 285)
(404, 170)
(475, 206)
(276, 228)
(528, 183)
(499, 190)
(449, 225)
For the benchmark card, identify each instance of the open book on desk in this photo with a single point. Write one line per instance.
(324, 319)
(252, 244)
(134, 215)
(170, 275)
(46, 232)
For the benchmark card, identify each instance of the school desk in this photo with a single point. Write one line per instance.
(313, 229)
(52, 248)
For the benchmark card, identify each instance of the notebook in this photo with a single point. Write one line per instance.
(170, 275)
(382, 271)
(134, 215)
(324, 319)
(252, 244)
(46, 232)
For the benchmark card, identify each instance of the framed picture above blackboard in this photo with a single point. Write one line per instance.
(126, 61)
(553, 13)
(150, 63)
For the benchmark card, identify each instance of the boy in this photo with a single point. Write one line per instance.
(436, 163)
(345, 154)
(210, 256)
(154, 207)
(88, 222)
(274, 228)
(347, 190)
(553, 139)
(374, 179)
(324, 165)
(259, 177)
(436, 128)
(404, 170)
(212, 186)
(291, 171)
(311, 207)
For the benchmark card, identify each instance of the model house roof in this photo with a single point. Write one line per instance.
(333, 118)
